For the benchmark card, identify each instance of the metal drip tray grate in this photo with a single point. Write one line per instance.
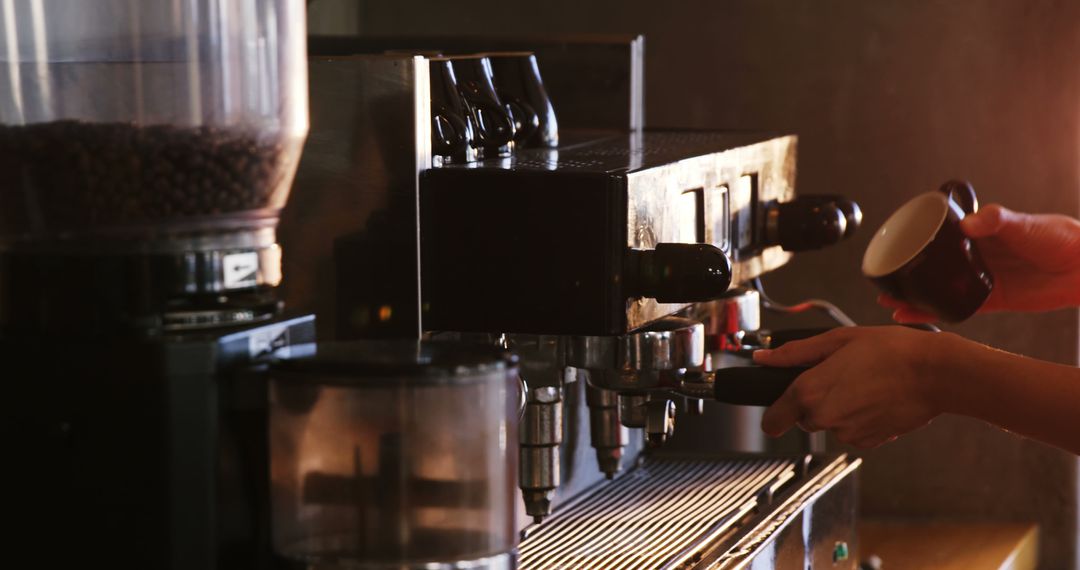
(660, 515)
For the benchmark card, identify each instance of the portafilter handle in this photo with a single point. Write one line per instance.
(753, 385)
(743, 385)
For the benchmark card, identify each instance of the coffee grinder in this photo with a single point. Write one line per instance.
(147, 149)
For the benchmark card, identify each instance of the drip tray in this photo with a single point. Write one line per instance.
(678, 512)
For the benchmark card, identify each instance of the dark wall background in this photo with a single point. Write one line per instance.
(889, 99)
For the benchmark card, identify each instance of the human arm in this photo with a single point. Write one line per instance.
(869, 385)
(1034, 259)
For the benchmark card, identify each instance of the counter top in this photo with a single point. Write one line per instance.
(946, 545)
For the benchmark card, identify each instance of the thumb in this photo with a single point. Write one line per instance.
(988, 221)
(1051, 241)
(806, 352)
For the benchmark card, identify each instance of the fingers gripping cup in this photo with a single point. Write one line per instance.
(921, 256)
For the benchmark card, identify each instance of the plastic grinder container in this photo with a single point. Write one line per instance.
(395, 454)
(126, 118)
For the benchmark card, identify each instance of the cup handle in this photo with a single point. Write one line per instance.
(963, 194)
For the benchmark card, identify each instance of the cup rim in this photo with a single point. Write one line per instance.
(872, 270)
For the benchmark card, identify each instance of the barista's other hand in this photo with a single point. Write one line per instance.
(1034, 258)
(868, 385)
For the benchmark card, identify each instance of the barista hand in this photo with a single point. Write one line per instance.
(1034, 258)
(869, 385)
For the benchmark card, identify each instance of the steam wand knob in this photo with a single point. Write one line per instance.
(678, 272)
(811, 221)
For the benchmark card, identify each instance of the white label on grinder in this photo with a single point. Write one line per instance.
(241, 270)
(267, 341)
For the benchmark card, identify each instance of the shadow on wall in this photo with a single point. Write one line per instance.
(889, 100)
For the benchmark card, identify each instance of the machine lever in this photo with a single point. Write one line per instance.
(753, 385)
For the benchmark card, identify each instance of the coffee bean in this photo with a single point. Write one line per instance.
(82, 175)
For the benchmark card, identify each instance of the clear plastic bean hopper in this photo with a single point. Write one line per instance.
(395, 455)
(163, 131)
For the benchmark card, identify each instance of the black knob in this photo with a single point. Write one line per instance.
(753, 385)
(678, 272)
(802, 225)
(851, 210)
(852, 213)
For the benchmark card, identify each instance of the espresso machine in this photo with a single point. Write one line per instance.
(620, 264)
(170, 385)
(147, 151)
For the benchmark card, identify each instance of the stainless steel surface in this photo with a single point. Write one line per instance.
(668, 344)
(540, 436)
(357, 182)
(765, 169)
(632, 411)
(607, 435)
(542, 428)
(660, 515)
(696, 386)
(579, 469)
(803, 526)
(706, 512)
(741, 310)
(659, 421)
(544, 374)
(544, 357)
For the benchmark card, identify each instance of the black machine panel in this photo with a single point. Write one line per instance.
(549, 241)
